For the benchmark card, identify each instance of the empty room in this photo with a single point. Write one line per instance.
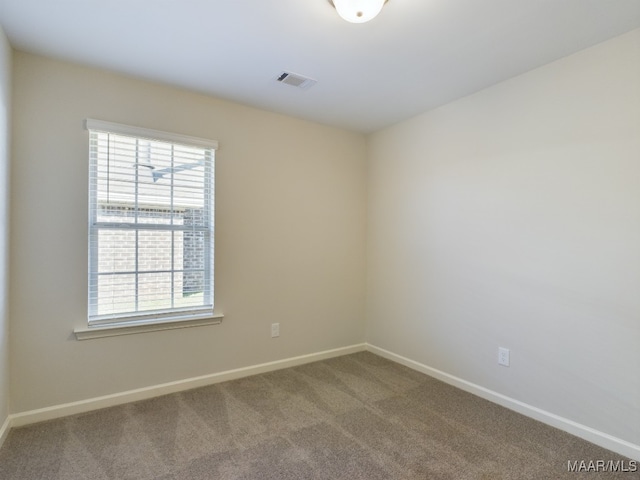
(319, 239)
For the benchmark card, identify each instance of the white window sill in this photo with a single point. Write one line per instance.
(128, 328)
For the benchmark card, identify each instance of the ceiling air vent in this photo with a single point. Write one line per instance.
(296, 80)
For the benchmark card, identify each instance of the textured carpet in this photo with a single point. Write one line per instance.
(354, 417)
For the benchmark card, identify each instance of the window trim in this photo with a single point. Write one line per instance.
(110, 127)
(127, 328)
(111, 325)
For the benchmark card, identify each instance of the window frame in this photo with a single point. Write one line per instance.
(168, 317)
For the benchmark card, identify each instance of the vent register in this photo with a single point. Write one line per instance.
(296, 80)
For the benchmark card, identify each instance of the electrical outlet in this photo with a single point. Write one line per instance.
(275, 330)
(503, 356)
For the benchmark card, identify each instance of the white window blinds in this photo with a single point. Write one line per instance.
(151, 198)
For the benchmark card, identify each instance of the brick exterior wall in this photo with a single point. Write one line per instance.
(117, 253)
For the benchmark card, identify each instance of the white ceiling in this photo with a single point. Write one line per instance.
(416, 55)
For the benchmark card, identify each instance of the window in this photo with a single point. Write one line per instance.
(151, 197)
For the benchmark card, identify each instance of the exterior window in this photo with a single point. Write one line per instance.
(151, 198)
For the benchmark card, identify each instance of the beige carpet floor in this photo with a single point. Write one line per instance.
(354, 417)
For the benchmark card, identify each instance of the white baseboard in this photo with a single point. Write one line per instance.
(589, 434)
(4, 430)
(57, 411)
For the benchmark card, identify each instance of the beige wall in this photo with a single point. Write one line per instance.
(512, 218)
(290, 225)
(5, 101)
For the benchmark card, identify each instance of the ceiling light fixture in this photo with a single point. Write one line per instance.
(358, 11)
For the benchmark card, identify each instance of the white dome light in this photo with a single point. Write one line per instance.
(358, 11)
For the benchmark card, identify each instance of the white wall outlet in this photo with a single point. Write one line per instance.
(275, 330)
(503, 356)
